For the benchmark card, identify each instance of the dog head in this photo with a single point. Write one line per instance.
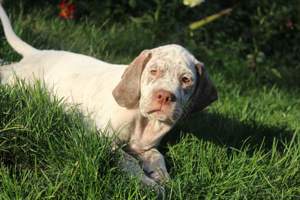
(165, 83)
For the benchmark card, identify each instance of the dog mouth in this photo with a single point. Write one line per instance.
(160, 110)
(161, 114)
(157, 111)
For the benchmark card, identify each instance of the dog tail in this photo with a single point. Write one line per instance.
(15, 42)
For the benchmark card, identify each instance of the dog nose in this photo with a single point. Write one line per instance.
(165, 97)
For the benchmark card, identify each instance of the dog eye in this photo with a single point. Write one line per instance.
(153, 72)
(185, 80)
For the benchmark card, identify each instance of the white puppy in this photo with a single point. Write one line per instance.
(139, 102)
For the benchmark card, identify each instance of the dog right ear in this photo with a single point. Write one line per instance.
(127, 92)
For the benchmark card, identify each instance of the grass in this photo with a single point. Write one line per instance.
(245, 146)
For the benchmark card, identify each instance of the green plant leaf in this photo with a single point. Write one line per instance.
(209, 19)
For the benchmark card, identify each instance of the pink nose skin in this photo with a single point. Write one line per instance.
(164, 97)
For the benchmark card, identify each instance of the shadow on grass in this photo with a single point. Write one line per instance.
(231, 133)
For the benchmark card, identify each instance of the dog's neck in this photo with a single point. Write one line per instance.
(147, 134)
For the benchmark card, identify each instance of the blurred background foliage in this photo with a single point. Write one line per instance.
(262, 34)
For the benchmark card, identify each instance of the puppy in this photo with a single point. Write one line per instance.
(137, 103)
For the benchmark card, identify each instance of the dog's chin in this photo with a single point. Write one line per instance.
(162, 116)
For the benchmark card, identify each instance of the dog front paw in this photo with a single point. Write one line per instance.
(154, 166)
(159, 175)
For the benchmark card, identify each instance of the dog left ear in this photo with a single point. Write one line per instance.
(127, 92)
(205, 92)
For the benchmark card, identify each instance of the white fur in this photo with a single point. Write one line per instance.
(89, 82)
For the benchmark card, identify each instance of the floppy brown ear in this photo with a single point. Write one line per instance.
(205, 92)
(127, 92)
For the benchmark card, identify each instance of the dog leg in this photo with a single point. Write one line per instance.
(131, 166)
(154, 165)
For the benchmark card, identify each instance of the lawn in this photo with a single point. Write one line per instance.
(245, 146)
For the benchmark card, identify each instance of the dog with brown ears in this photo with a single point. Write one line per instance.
(137, 103)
